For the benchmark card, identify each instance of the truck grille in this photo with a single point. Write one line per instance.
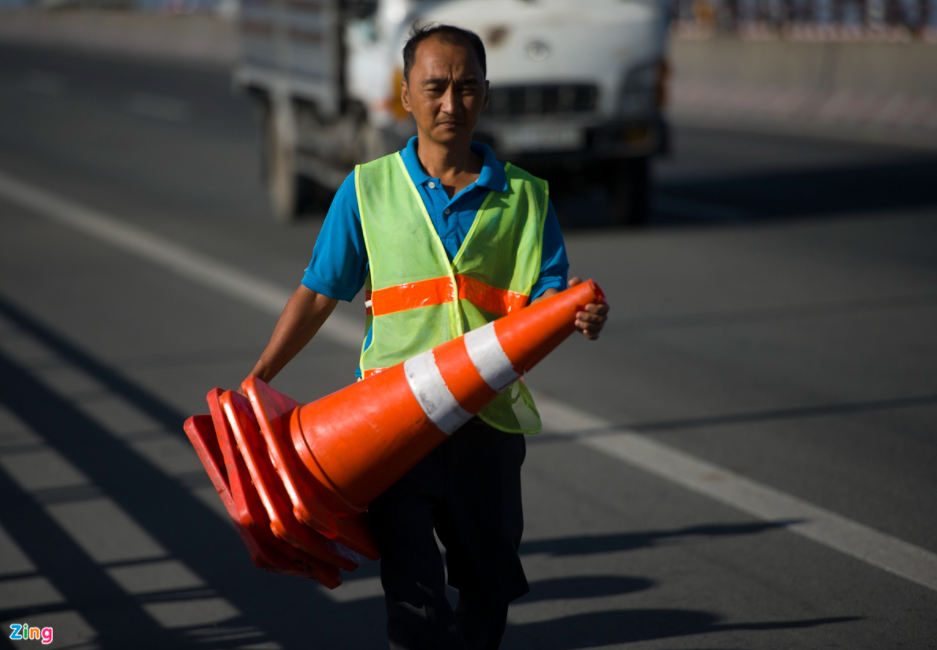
(551, 99)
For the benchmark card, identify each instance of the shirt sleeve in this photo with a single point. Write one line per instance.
(339, 264)
(554, 267)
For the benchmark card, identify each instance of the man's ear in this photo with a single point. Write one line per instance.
(405, 95)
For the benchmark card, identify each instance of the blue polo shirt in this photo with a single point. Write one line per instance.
(339, 265)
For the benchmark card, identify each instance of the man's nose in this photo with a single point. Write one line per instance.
(449, 103)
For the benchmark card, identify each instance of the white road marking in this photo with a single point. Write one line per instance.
(158, 107)
(861, 542)
(187, 263)
(834, 531)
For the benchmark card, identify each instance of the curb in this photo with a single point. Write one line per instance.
(904, 119)
(202, 38)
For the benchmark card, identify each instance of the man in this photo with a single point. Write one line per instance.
(446, 238)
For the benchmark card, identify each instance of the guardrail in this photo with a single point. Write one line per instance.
(872, 20)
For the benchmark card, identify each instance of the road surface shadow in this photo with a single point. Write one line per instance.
(265, 609)
(262, 607)
(873, 189)
(616, 542)
(618, 627)
(582, 587)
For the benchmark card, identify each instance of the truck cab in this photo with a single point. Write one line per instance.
(577, 88)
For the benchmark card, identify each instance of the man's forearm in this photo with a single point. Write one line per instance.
(543, 296)
(303, 315)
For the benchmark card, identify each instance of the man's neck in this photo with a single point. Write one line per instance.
(456, 167)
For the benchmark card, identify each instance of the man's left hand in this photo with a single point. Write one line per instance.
(591, 319)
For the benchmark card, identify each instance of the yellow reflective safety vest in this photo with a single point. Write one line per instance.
(417, 299)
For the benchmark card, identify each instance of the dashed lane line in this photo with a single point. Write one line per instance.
(825, 527)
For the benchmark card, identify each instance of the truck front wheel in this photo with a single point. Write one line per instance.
(290, 192)
(629, 189)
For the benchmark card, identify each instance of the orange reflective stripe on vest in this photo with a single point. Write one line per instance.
(420, 297)
(437, 291)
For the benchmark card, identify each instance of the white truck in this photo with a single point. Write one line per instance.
(577, 89)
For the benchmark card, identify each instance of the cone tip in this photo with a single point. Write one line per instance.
(599, 294)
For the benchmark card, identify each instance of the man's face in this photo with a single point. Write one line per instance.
(446, 91)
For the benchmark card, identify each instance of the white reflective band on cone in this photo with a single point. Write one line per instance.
(430, 390)
(485, 351)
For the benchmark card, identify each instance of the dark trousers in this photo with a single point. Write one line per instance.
(468, 491)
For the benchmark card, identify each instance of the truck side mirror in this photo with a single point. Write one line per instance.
(359, 9)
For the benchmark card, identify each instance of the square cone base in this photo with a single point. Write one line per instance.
(250, 509)
(266, 551)
(272, 410)
(272, 492)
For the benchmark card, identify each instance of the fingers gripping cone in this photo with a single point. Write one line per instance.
(357, 442)
(313, 469)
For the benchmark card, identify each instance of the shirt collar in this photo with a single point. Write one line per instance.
(491, 177)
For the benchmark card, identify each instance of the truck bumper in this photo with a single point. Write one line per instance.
(574, 144)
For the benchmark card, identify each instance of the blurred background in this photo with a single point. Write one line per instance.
(745, 460)
(832, 19)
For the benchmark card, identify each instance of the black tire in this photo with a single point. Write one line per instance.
(290, 192)
(629, 192)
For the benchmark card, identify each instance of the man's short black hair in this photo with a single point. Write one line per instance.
(449, 34)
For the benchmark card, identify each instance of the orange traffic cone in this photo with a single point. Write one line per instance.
(356, 442)
(270, 407)
(251, 513)
(298, 479)
(265, 550)
(273, 494)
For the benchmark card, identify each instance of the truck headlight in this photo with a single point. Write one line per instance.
(644, 88)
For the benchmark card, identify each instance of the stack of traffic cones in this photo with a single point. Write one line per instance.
(297, 479)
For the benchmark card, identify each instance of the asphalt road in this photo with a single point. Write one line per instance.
(745, 460)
